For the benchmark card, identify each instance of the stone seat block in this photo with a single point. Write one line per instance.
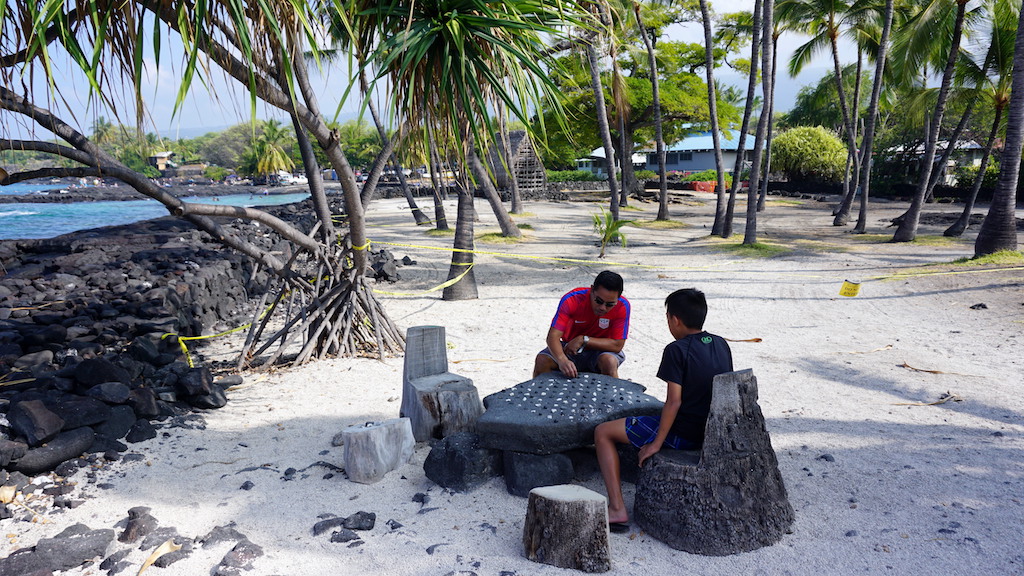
(373, 450)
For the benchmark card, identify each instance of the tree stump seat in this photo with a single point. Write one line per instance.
(567, 526)
(727, 498)
(374, 449)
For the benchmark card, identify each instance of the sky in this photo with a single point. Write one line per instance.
(223, 103)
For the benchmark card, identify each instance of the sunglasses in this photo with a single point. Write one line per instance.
(604, 304)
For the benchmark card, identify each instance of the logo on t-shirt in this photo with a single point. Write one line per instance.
(604, 323)
(706, 339)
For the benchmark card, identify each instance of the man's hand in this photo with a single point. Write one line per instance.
(648, 450)
(568, 368)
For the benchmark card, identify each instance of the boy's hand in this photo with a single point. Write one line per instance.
(648, 450)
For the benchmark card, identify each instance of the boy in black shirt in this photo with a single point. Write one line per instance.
(688, 366)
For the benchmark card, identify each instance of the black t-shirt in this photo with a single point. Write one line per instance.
(693, 362)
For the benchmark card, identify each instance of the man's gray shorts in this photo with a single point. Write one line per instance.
(586, 361)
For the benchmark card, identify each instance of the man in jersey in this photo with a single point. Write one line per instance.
(588, 331)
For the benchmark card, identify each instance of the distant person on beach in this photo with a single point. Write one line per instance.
(688, 367)
(588, 331)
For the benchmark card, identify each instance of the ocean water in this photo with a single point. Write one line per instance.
(47, 220)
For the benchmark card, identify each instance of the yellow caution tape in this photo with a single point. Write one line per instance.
(441, 286)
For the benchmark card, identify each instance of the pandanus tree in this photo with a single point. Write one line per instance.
(329, 308)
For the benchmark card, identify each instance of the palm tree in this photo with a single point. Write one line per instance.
(998, 58)
(922, 30)
(768, 90)
(601, 108)
(872, 115)
(999, 229)
(270, 149)
(725, 209)
(824, 21)
(659, 134)
(709, 69)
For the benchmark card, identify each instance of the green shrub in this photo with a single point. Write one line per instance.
(965, 175)
(572, 176)
(646, 175)
(217, 173)
(806, 153)
(706, 176)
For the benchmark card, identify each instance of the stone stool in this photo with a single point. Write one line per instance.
(567, 526)
(436, 402)
(373, 450)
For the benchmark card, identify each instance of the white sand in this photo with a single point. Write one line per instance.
(912, 489)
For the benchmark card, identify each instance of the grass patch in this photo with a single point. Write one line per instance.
(787, 202)
(1001, 258)
(440, 233)
(755, 250)
(523, 214)
(497, 238)
(524, 226)
(631, 208)
(936, 240)
(820, 246)
(872, 238)
(660, 224)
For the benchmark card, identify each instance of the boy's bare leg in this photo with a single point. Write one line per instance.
(606, 436)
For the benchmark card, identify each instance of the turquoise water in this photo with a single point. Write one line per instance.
(19, 189)
(46, 220)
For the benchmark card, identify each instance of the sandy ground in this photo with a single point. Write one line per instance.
(908, 487)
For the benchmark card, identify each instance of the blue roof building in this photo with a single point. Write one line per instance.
(694, 153)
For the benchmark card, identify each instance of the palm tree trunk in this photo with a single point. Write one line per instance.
(462, 257)
(870, 121)
(999, 229)
(961, 224)
(417, 214)
(659, 135)
(723, 228)
(907, 230)
(849, 186)
(510, 168)
(601, 111)
(761, 198)
(842, 215)
(483, 180)
(716, 131)
(767, 27)
(629, 182)
(440, 220)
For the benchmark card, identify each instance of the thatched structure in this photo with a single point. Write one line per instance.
(524, 163)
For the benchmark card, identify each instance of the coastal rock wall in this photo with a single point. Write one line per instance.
(85, 360)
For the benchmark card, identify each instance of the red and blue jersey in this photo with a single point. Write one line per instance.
(575, 316)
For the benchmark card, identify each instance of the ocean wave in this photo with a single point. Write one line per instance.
(17, 213)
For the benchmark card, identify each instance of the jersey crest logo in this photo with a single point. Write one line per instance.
(706, 339)
(604, 323)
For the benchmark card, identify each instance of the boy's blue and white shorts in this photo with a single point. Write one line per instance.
(641, 430)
